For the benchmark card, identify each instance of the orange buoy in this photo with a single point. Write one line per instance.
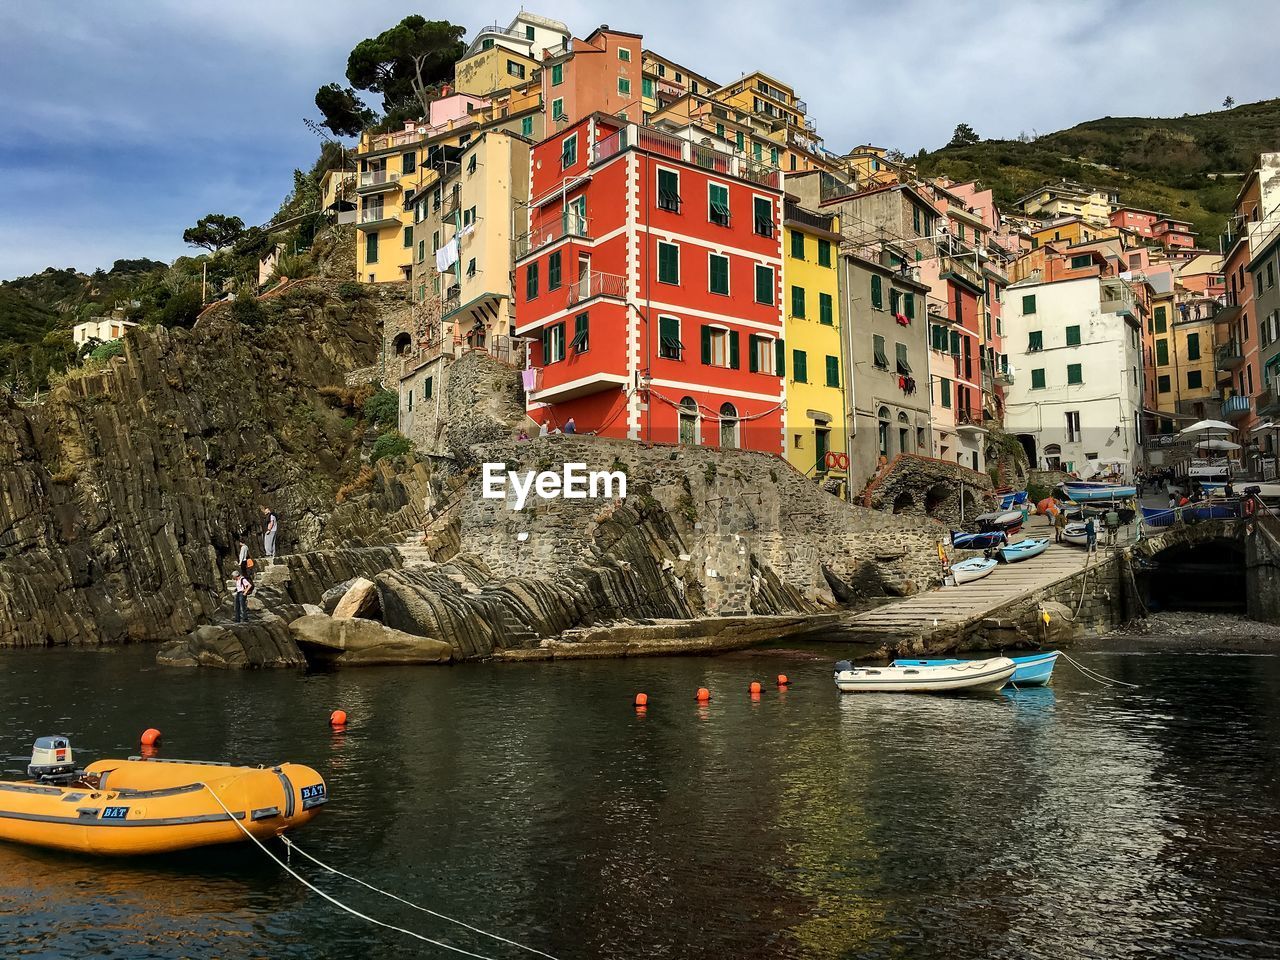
(642, 699)
(782, 680)
(150, 737)
(755, 686)
(338, 718)
(703, 695)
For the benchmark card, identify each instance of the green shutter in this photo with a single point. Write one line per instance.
(1029, 303)
(764, 284)
(955, 343)
(582, 332)
(797, 301)
(797, 245)
(553, 271)
(526, 127)
(1035, 340)
(909, 305)
(1161, 320)
(877, 295)
(1037, 379)
(1073, 336)
(734, 360)
(718, 280)
(1193, 346)
(668, 263)
(531, 282)
(824, 253)
(826, 312)
(545, 333)
(780, 358)
(1075, 373)
(833, 371)
(557, 74)
(408, 236)
(706, 345)
(753, 364)
(1162, 352)
(946, 392)
(799, 366)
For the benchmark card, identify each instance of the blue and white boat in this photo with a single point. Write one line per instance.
(1023, 549)
(975, 568)
(978, 541)
(1082, 492)
(1035, 670)
(1011, 500)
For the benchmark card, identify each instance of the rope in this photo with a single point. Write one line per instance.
(1094, 675)
(337, 903)
(324, 866)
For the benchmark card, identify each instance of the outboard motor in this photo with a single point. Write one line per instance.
(52, 761)
(843, 665)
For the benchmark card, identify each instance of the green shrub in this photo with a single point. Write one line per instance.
(105, 351)
(294, 267)
(248, 311)
(391, 444)
(350, 290)
(181, 309)
(383, 408)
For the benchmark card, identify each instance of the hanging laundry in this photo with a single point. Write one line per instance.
(469, 229)
(529, 379)
(902, 382)
(902, 319)
(447, 256)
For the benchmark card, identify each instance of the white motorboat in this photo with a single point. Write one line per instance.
(968, 675)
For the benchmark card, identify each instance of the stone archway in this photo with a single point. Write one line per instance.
(903, 502)
(936, 497)
(1028, 442)
(401, 343)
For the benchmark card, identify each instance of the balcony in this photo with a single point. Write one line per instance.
(1268, 403)
(1228, 356)
(593, 283)
(958, 268)
(570, 225)
(1124, 306)
(1236, 406)
(660, 144)
(376, 218)
(802, 106)
(794, 214)
(377, 181)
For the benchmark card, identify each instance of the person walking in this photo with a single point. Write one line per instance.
(269, 534)
(1059, 524)
(243, 588)
(242, 556)
(1091, 534)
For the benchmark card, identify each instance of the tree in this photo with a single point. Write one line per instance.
(344, 113)
(407, 62)
(964, 136)
(1229, 102)
(214, 231)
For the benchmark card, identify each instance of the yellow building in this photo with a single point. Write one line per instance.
(783, 115)
(1072, 230)
(1182, 330)
(869, 165)
(663, 82)
(1068, 199)
(816, 375)
(491, 70)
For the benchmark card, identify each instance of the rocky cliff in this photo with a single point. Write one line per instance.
(122, 495)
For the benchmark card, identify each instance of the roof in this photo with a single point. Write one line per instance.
(1204, 263)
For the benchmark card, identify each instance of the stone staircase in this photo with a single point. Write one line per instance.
(413, 552)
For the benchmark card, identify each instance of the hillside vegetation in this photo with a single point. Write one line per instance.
(1189, 167)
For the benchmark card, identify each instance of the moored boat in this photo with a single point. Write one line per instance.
(1023, 549)
(146, 806)
(1008, 521)
(1082, 492)
(1268, 491)
(975, 568)
(1076, 533)
(1010, 500)
(1034, 670)
(978, 541)
(966, 675)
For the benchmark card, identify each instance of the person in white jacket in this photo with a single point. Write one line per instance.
(269, 533)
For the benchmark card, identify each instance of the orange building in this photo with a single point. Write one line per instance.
(600, 74)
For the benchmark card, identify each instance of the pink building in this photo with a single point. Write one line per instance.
(1173, 234)
(1141, 222)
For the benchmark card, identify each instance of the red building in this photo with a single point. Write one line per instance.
(650, 284)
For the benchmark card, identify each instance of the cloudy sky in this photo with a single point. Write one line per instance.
(122, 122)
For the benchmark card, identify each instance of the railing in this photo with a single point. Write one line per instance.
(373, 178)
(374, 214)
(1123, 305)
(1268, 401)
(801, 106)
(1228, 356)
(1235, 406)
(504, 31)
(815, 220)
(661, 144)
(962, 269)
(593, 283)
(668, 88)
(569, 225)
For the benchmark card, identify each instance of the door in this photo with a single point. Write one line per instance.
(821, 444)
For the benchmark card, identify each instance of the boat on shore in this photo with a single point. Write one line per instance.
(1084, 492)
(1010, 500)
(1023, 549)
(978, 541)
(147, 806)
(975, 568)
(1005, 521)
(1268, 491)
(1076, 534)
(969, 675)
(1034, 670)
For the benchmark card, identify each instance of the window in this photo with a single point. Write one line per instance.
(720, 347)
(1073, 336)
(1162, 352)
(944, 392)
(1073, 426)
(662, 70)
(669, 345)
(668, 263)
(1082, 260)
(764, 284)
(624, 86)
(718, 204)
(471, 164)
(824, 252)
(624, 54)
(797, 245)
(773, 154)
(877, 352)
(895, 301)
(938, 337)
(471, 267)
(760, 359)
(955, 342)
(569, 152)
(1037, 379)
(1194, 381)
(1163, 384)
(515, 69)
(915, 220)
(904, 366)
(371, 247)
(718, 274)
(428, 388)
(468, 216)
(762, 215)
(1029, 304)
(797, 301)
(529, 33)
(526, 127)
(553, 343)
(909, 305)
(741, 140)
(646, 87)
(826, 309)
(581, 334)
(1075, 374)
(1161, 320)
(408, 236)
(877, 293)
(557, 109)
(553, 271)
(531, 282)
(799, 366)
(557, 75)
(1035, 340)
(833, 371)
(422, 250)
(409, 162)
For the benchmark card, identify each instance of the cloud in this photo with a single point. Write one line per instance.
(127, 122)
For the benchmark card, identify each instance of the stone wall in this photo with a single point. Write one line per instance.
(1262, 570)
(927, 487)
(476, 398)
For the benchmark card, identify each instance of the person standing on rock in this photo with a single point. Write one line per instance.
(242, 557)
(243, 587)
(269, 535)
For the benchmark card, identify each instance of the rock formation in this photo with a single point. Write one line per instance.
(356, 642)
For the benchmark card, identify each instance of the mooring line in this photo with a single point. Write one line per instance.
(334, 900)
(1093, 674)
(386, 893)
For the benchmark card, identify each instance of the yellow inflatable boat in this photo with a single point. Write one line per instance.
(142, 806)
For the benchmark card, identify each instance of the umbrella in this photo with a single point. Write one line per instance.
(1217, 445)
(1204, 425)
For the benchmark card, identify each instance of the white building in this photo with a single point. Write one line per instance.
(1076, 345)
(102, 330)
(528, 34)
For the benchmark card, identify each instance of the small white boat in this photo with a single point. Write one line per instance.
(1076, 533)
(967, 675)
(975, 568)
(1094, 492)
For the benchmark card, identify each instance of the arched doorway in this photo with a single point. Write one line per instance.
(689, 421)
(935, 497)
(728, 426)
(1029, 447)
(1053, 456)
(904, 433)
(903, 502)
(882, 416)
(401, 343)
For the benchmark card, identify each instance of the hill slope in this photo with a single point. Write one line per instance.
(1188, 167)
